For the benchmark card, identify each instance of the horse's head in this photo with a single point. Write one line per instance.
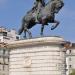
(58, 6)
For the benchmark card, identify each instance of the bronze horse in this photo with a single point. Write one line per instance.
(46, 16)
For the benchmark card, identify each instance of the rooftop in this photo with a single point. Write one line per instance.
(3, 29)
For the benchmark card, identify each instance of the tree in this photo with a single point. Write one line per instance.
(73, 72)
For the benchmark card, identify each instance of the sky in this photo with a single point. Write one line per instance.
(12, 12)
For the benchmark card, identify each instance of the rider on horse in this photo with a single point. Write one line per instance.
(52, 7)
(38, 5)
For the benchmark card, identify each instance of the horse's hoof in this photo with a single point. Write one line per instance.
(25, 37)
(53, 27)
(41, 34)
(30, 37)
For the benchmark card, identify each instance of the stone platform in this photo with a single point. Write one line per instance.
(39, 56)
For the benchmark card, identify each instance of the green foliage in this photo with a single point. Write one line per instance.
(73, 72)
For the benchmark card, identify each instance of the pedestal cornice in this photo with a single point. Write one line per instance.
(36, 41)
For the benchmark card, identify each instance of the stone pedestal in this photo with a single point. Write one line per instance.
(39, 56)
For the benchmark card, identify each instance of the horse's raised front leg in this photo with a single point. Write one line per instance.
(56, 24)
(42, 29)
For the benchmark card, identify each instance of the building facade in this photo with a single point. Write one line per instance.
(70, 59)
(6, 36)
(4, 59)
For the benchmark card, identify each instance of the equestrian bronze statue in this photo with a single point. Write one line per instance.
(44, 16)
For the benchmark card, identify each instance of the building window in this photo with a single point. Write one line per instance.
(4, 51)
(4, 33)
(66, 66)
(70, 66)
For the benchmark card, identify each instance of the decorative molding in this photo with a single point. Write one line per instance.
(36, 41)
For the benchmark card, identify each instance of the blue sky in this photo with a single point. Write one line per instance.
(12, 11)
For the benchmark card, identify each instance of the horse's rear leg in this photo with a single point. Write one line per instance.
(42, 29)
(56, 24)
(30, 35)
(25, 34)
(44, 21)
